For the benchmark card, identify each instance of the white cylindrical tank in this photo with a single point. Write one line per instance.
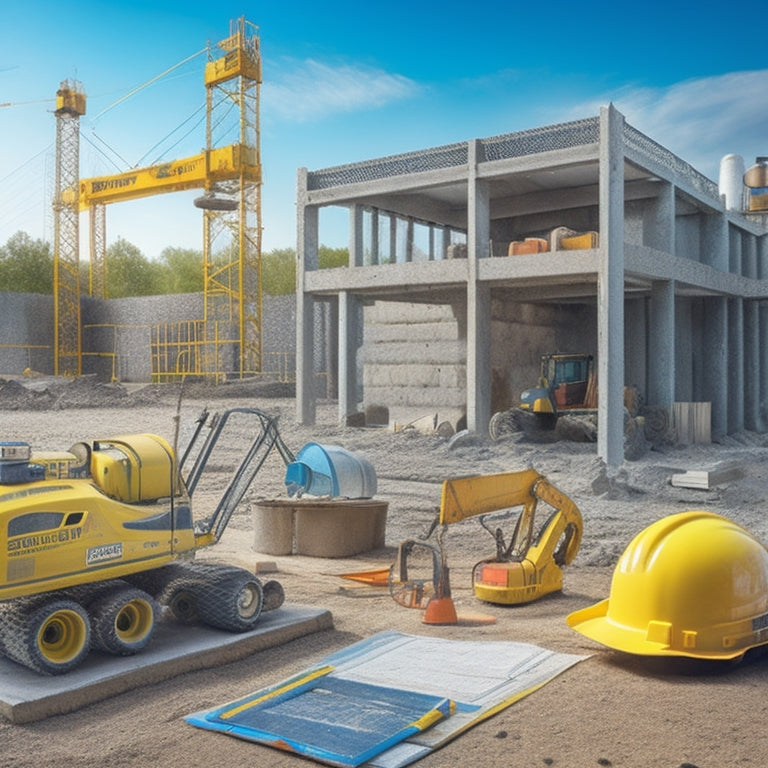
(731, 182)
(328, 470)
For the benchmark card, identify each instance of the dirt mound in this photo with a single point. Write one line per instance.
(60, 392)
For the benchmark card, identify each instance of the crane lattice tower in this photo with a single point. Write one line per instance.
(232, 223)
(70, 105)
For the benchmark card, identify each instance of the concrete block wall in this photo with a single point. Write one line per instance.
(414, 355)
(26, 332)
(521, 333)
(123, 327)
(413, 358)
(116, 333)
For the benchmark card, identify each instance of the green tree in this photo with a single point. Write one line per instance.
(181, 270)
(278, 271)
(332, 257)
(129, 272)
(278, 267)
(26, 265)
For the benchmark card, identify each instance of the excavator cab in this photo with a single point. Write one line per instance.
(564, 383)
(133, 468)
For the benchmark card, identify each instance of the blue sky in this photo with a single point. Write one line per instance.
(348, 81)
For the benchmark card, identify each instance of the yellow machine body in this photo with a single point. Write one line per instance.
(516, 582)
(89, 518)
(531, 565)
(133, 468)
(538, 405)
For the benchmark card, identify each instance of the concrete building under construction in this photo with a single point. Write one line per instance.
(469, 261)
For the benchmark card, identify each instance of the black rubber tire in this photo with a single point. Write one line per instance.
(222, 596)
(183, 583)
(122, 621)
(274, 595)
(233, 603)
(180, 598)
(50, 636)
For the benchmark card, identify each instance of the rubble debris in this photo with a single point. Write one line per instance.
(705, 479)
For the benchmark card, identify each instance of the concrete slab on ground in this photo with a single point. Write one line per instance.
(26, 696)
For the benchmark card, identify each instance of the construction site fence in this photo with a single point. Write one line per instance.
(18, 359)
(121, 356)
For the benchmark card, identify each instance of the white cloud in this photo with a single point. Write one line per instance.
(700, 120)
(311, 90)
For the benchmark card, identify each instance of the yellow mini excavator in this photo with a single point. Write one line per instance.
(525, 569)
(97, 538)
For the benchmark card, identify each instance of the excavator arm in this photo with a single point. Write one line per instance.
(530, 566)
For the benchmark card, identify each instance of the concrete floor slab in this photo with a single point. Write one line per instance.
(26, 696)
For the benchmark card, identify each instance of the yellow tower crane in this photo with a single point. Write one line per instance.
(230, 176)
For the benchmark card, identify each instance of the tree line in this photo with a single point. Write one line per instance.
(26, 266)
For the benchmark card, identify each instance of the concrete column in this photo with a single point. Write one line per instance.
(761, 256)
(749, 255)
(409, 242)
(715, 242)
(735, 365)
(685, 342)
(375, 256)
(735, 260)
(610, 291)
(659, 219)
(306, 260)
(356, 245)
(763, 378)
(661, 344)
(350, 320)
(752, 418)
(478, 300)
(327, 318)
(715, 372)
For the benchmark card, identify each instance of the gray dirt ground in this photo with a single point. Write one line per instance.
(610, 710)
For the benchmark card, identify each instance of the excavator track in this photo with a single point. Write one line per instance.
(221, 596)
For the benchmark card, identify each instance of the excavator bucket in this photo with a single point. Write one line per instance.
(426, 585)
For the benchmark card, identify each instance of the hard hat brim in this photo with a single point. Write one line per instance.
(595, 623)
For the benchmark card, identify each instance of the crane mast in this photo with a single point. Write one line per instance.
(233, 273)
(70, 105)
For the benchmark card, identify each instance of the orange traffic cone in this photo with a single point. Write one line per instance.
(440, 610)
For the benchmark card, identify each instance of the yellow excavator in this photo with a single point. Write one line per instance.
(100, 537)
(523, 570)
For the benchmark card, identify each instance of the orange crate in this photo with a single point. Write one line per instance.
(529, 245)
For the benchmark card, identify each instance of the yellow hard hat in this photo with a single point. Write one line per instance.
(692, 584)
